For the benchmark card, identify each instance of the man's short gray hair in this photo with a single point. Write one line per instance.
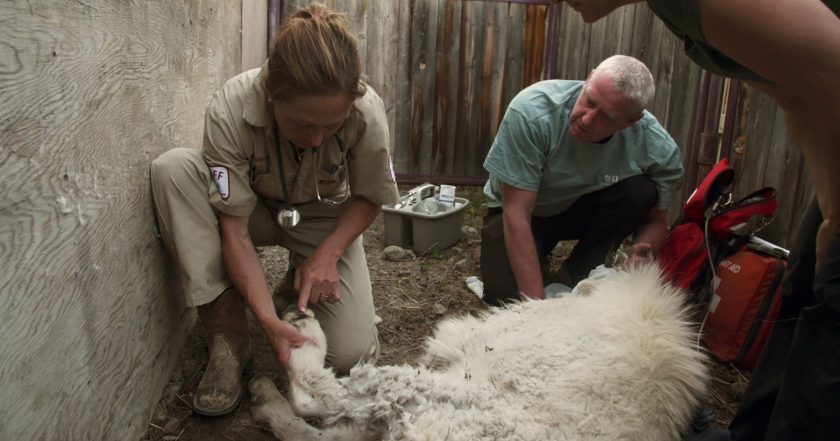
(630, 76)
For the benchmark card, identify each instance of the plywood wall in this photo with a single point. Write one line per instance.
(90, 92)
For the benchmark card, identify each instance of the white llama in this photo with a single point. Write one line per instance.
(617, 363)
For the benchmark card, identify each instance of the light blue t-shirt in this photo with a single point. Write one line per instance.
(535, 151)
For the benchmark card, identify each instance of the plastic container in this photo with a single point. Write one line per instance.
(423, 223)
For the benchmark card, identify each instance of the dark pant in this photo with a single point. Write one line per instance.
(794, 392)
(598, 220)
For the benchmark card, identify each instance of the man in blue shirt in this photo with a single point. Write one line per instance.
(575, 160)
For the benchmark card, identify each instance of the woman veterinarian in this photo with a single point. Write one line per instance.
(295, 154)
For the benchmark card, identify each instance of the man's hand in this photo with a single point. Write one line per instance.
(283, 337)
(639, 252)
(650, 237)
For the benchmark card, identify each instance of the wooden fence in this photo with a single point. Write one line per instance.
(447, 69)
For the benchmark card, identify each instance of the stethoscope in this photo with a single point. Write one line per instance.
(289, 216)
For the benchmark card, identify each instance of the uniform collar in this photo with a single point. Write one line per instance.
(255, 111)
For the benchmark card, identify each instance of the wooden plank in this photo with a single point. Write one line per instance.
(382, 42)
(781, 156)
(402, 97)
(573, 58)
(254, 33)
(497, 78)
(514, 67)
(536, 28)
(661, 70)
(760, 113)
(422, 71)
(446, 87)
(472, 32)
(605, 37)
(91, 93)
(639, 40)
(491, 78)
(357, 16)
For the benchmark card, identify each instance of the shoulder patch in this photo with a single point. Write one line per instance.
(222, 179)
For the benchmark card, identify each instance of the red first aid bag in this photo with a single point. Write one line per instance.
(684, 255)
(744, 306)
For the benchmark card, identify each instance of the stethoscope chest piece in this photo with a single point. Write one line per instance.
(288, 217)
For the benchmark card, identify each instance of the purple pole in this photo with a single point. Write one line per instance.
(731, 114)
(699, 117)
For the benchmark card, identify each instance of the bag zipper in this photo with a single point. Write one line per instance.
(762, 313)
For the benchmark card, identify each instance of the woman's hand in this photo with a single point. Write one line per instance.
(283, 337)
(317, 281)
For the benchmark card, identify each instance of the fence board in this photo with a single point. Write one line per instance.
(446, 90)
(769, 157)
(573, 61)
(382, 25)
(472, 32)
(514, 68)
(402, 106)
(422, 70)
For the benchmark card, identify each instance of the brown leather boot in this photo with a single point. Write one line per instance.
(226, 326)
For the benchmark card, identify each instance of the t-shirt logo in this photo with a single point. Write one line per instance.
(611, 179)
(220, 176)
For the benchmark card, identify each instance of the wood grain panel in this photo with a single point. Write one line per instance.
(254, 33)
(90, 93)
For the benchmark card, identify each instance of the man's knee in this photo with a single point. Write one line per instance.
(641, 193)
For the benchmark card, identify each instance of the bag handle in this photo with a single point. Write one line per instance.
(736, 218)
(717, 183)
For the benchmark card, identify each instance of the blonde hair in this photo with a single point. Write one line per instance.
(314, 53)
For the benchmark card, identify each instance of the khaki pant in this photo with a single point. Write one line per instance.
(181, 185)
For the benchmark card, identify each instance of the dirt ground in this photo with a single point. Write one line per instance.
(410, 297)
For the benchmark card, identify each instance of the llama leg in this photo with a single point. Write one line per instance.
(313, 389)
(271, 409)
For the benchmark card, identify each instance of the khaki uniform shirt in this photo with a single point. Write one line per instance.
(240, 150)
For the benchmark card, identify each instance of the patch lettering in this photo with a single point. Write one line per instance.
(222, 179)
